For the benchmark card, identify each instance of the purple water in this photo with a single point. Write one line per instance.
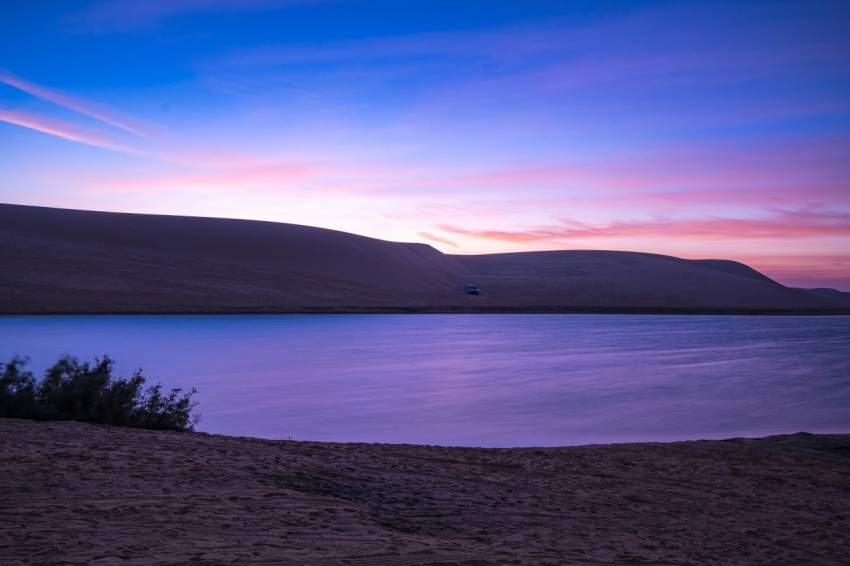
(475, 380)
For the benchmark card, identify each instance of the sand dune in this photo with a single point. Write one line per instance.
(629, 279)
(66, 261)
(73, 493)
(842, 298)
(57, 261)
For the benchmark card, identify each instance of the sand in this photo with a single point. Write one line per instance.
(70, 261)
(74, 493)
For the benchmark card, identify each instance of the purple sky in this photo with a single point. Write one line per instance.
(696, 129)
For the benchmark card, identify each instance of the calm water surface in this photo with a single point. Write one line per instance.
(475, 380)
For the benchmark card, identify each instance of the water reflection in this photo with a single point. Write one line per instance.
(476, 380)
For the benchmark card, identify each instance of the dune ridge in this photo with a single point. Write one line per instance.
(71, 261)
(75, 493)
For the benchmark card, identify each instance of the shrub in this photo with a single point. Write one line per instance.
(74, 391)
(17, 389)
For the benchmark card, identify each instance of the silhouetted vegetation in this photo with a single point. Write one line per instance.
(74, 391)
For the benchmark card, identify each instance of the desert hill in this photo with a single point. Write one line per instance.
(834, 295)
(614, 280)
(71, 261)
(67, 260)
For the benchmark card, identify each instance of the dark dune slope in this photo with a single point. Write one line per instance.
(65, 261)
(613, 280)
(57, 261)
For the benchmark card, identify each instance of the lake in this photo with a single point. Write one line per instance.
(474, 380)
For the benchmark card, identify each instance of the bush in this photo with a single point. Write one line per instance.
(71, 391)
(17, 390)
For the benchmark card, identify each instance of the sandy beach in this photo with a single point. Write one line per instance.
(74, 493)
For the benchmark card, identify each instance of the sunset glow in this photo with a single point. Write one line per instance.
(700, 130)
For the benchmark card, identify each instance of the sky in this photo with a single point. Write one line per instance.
(694, 129)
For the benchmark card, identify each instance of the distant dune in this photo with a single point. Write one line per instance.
(69, 261)
(832, 294)
(629, 280)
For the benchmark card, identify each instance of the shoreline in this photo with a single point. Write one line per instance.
(76, 492)
(440, 310)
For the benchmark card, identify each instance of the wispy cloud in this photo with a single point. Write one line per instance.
(66, 100)
(558, 44)
(804, 270)
(438, 239)
(541, 61)
(95, 125)
(785, 225)
(68, 131)
(244, 178)
(123, 15)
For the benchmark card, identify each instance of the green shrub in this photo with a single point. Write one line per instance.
(74, 391)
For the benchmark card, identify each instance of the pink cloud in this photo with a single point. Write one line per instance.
(784, 173)
(782, 226)
(804, 270)
(717, 64)
(232, 177)
(158, 146)
(63, 99)
(438, 239)
(607, 189)
(799, 194)
(68, 131)
(513, 236)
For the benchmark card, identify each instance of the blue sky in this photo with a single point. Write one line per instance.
(697, 129)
